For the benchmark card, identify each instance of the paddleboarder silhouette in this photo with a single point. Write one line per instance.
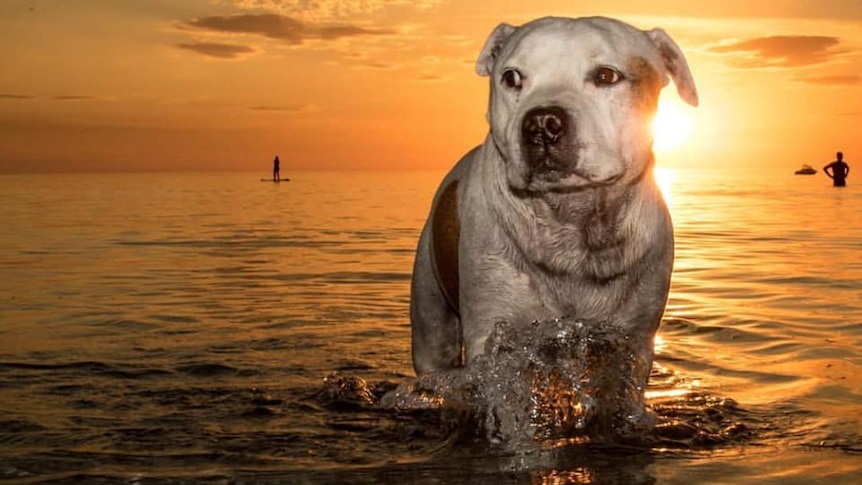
(276, 175)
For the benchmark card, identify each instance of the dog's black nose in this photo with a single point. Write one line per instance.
(544, 126)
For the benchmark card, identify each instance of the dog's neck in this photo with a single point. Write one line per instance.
(595, 213)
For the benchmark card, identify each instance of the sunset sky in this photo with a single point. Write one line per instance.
(111, 85)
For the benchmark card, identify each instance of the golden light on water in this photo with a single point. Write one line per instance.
(659, 344)
(673, 387)
(559, 477)
(667, 393)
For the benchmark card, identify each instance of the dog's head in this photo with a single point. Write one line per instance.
(572, 100)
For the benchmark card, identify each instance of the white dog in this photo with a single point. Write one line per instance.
(556, 214)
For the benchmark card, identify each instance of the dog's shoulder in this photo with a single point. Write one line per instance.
(445, 238)
(445, 227)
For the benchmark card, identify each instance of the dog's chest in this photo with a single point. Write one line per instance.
(581, 298)
(583, 242)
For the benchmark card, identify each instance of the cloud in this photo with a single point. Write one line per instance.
(213, 49)
(377, 65)
(329, 10)
(70, 97)
(430, 77)
(781, 51)
(279, 27)
(59, 97)
(15, 96)
(294, 108)
(839, 80)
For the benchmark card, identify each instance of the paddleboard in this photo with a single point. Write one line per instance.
(273, 180)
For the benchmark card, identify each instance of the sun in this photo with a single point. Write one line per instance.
(672, 126)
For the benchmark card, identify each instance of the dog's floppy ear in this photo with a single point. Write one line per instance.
(676, 65)
(489, 54)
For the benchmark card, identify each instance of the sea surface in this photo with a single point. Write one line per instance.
(216, 328)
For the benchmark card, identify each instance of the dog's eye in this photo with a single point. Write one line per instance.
(512, 79)
(606, 76)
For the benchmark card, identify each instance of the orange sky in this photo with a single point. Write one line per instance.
(145, 85)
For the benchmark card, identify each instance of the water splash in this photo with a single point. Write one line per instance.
(551, 382)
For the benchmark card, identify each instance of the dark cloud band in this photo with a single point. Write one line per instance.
(782, 50)
(212, 49)
(837, 80)
(279, 27)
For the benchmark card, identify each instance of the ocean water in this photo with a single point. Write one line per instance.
(214, 328)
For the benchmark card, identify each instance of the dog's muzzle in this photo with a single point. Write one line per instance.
(548, 141)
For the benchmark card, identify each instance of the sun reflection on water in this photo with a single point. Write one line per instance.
(559, 477)
(659, 345)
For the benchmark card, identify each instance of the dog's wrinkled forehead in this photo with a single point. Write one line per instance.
(567, 47)
(579, 43)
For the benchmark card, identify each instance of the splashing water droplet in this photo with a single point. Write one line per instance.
(548, 382)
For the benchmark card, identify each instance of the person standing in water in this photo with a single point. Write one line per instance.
(276, 175)
(839, 170)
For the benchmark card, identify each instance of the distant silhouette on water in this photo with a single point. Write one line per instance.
(839, 170)
(276, 175)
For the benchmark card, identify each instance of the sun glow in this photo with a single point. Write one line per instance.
(672, 126)
(665, 178)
